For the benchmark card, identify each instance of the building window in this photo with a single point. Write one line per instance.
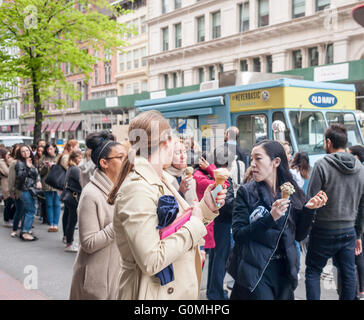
(68, 68)
(313, 57)
(243, 65)
(175, 80)
(256, 65)
(269, 64)
(128, 60)
(144, 54)
(216, 26)
(322, 4)
(166, 80)
(143, 25)
(201, 75)
(263, 13)
(178, 35)
(165, 6)
(165, 39)
(136, 58)
(201, 29)
(96, 75)
(177, 4)
(244, 16)
(296, 59)
(107, 72)
(121, 62)
(298, 8)
(108, 54)
(136, 88)
(128, 89)
(136, 25)
(144, 86)
(221, 68)
(211, 73)
(329, 57)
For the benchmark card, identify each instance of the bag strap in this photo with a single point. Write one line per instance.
(237, 163)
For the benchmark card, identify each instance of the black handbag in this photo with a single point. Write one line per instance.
(56, 177)
(69, 197)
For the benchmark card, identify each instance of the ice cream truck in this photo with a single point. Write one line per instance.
(306, 108)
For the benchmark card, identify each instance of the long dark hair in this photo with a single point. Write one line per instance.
(19, 155)
(302, 163)
(357, 151)
(46, 153)
(275, 150)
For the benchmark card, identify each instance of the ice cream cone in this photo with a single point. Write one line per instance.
(189, 172)
(287, 190)
(221, 175)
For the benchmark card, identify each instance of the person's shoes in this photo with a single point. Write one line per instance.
(13, 234)
(50, 229)
(25, 236)
(55, 229)
(64, 240)
(71, 248)
(361, 296)
(7, 224)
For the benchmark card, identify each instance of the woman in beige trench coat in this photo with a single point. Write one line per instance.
(95, 272)
(140, 184)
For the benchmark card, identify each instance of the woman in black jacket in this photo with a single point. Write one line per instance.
(73, 184)
(27, 182)
(265, 228)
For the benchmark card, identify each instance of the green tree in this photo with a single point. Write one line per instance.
(49, 34)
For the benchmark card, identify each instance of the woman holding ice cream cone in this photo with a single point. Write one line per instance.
(265, 226)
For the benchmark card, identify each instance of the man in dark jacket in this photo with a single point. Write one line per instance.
(338, 226)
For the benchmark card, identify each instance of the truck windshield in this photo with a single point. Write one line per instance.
(309, 128)
(349, 121)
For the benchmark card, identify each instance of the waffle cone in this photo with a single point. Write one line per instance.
(285, 195)
(220, 181)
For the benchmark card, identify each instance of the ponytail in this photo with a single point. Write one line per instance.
(126, 168)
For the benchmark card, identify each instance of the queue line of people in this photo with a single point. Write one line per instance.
(121, 251)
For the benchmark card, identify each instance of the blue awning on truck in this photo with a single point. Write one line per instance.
(186, 106)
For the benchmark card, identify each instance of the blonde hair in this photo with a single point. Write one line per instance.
(141, 125)
(72, 158)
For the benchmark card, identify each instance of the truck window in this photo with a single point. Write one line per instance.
(349, 121)
(309, 128)
(252, 129)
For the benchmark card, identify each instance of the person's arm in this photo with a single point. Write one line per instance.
(316, 181)
(137, 220)
(93, 237)
(4, 169)
(359, 223)
(21, 172)
(242, 229)
(202, 181)
(304, 219)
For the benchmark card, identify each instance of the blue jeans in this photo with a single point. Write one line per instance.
(29, 210)
(18, 216)
(323, 245)
(217, 262)
(53, 207)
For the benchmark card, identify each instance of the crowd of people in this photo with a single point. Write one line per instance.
(123, 194)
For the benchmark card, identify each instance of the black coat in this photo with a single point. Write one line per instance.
(26, 177)
(256, 242)
(73, 179)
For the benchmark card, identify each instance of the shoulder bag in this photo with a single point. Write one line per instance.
(56, 177)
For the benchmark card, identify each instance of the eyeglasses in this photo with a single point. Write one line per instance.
(116, 157)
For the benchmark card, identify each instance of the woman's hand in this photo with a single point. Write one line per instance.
(185, 185)
(38, 185)
(317, 201)
(203, 163)
(279, 208)
(358, 247)
(219, 199)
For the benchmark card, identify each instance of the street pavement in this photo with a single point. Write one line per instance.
(42, 270)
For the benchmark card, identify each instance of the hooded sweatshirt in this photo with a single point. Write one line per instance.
(341, 176)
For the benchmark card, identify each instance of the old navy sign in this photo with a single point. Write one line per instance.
(323, 99)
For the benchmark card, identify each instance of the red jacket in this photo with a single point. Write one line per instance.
(203, 180)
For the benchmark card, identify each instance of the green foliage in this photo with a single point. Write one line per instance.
(49, 34)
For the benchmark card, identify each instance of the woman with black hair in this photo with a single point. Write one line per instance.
(98, 251)
(9, 207)
(265, 228)
(27, 182)
(358, 152)
(52, 200)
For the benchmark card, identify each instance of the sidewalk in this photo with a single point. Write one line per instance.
(12, 289)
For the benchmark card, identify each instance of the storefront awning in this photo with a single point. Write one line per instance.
(65, 126)
(44, 126)
(51, 127)
(75, 126)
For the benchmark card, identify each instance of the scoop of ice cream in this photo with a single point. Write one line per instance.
(287, 188)
(221, 174)
(189, 171)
